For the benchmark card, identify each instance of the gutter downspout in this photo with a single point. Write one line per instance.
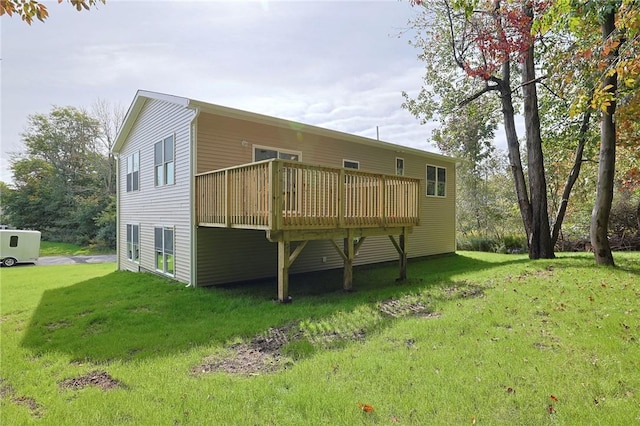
(117, 158)
(193, 225)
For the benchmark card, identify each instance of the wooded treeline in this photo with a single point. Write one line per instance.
(572, 70)
(64, 182)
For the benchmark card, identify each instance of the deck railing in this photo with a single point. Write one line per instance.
(284, 195)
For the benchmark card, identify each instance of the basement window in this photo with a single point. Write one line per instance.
(163, 241)
(351, 164)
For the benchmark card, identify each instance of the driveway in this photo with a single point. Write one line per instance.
(70, 260)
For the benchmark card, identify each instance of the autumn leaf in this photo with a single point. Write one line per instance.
(553, 398)
(550, 409)
(365, 407)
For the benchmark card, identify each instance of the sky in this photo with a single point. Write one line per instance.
(335, 64)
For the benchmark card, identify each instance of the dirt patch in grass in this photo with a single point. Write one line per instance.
(57, 325)
(100, 379)
(463, 290)
(7, 391)
(398, 308)
(30, 403)
(264, 353)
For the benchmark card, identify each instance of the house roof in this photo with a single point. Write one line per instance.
(142, 96)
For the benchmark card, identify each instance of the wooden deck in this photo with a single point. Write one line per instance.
(294, 201)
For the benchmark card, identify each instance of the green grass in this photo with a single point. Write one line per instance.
(49, 248)
(494, 338)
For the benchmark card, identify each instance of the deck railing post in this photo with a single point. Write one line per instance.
(341, 198)
(227, 199)
(275, 187)
(382, 203)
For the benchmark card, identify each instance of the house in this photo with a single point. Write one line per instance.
(210, 195)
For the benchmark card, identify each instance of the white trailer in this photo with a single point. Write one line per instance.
(19, 246)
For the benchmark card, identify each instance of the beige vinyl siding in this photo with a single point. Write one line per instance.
(153, 206)
(234, 255)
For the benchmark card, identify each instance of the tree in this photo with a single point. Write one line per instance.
(468, 136)
(29, 9)
(614, 60)
(58, 180)
(481, 42)
(110, 117)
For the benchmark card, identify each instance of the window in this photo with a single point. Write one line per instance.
(349, 164)
(133, 172)
(133, 243)
(163, 240)
(163, 162)
(436, 181)
(265, 153)
(13, 241)
(399, 166)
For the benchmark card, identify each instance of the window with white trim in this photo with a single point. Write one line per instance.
(265, 153)
(163, 242)
(164, 170)
(436, 181)
(133, 172)
(133, 243)
(351, 164)
(399, 166)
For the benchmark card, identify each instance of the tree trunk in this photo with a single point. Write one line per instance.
(638, 217)
(513, 147)
(540, 246)
(572, 178)
(606, 168)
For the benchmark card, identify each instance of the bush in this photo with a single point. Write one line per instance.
(623, 218)
(477, 244)
(507, 244)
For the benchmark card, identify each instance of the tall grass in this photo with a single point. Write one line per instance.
(475, 337)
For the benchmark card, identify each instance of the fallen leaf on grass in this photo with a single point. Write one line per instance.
(473, 420)
(550, 409)
(511, 390)
(554, 398)
(365, 407)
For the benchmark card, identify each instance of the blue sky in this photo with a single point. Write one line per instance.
(335, 64)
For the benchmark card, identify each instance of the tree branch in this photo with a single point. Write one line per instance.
(476, 95)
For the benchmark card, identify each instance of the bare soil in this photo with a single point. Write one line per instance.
(263, 353)
(100, 379)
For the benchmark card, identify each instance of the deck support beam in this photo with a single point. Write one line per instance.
(283, 270)
(401, 248)
(285, 260)
(350, 254)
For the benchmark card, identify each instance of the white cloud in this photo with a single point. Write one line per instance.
(334, 64)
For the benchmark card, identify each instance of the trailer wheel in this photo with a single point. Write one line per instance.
(9, 262)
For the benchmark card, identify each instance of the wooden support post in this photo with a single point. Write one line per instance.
(349, 251)
(283, 270)
(401, 248)
(403, 255)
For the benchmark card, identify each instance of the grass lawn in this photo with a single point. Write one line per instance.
(473, 338)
